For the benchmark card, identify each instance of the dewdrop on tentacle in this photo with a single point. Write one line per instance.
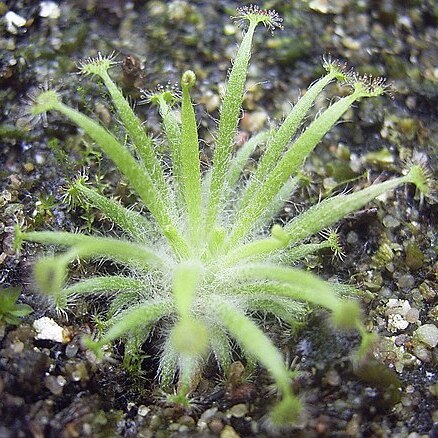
(372, 86)
(169, 93)
(333, 240)
(252, 13)
(420, 175)
(43, 103)
(39, 101)
(336, 67)
(97, 65)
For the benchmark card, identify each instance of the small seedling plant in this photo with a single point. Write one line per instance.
(10, 311)
(202, 258)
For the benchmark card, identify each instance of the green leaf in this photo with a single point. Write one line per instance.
(8, 297)
(21, 310)
(10, 311)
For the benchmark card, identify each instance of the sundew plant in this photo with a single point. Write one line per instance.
(202, 258)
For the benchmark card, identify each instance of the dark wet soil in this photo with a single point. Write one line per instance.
(56, 389)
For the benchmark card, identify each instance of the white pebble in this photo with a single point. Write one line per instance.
(395, 306)
(49, 330)
(396, 322)
(49, 10)
(13, 21)
(143, 410)
(428, 334)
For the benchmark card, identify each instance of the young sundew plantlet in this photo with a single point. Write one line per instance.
(200, 260)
